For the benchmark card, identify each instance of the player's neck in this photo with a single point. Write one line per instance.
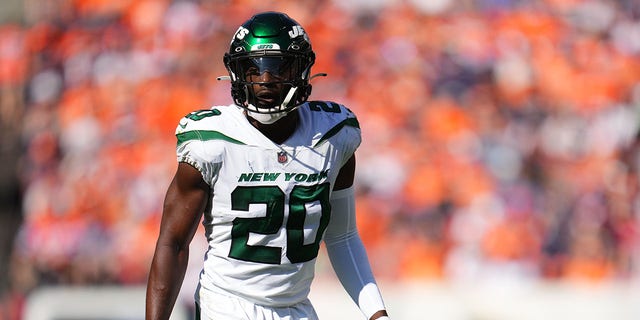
(279, 131)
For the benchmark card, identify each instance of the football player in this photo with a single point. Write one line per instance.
(273, 176)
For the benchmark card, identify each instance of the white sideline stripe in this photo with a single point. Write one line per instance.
(87, 303)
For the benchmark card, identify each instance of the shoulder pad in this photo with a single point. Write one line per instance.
(191, 121)
(330, 118)
(331, 109)
(208, 124)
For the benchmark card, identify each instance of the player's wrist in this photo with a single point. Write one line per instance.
(380, 315)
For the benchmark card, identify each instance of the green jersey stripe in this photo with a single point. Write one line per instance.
(205, 135)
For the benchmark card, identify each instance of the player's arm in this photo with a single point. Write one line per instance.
(346, 251)
(184, 204)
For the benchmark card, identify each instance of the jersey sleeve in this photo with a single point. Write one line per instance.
(192, 148)
(349, 134)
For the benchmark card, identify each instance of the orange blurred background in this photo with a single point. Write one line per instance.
(500, 136)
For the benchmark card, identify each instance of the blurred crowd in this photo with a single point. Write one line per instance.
(500, 136)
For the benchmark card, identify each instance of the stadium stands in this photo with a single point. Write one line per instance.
(500, 137)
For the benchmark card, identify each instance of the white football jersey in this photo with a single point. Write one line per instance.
(269, 203)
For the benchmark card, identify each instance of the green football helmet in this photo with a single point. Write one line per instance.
(272, 43)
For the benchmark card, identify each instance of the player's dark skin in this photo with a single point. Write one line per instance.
(184, 205)
(266, 91)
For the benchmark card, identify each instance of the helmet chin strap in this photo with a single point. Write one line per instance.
(270, 118)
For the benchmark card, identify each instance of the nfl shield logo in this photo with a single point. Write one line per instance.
(282, 157)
